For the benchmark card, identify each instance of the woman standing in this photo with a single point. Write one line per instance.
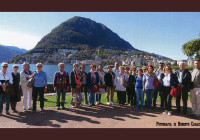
(76, 85)
(5, 80)
(25, 75)
(83, 75)
(119, 82)
(139, 89)
(148, 86)
(16, 96)
(39, 86)
(110, 85)
(93, 84)
(168, 81)
(101, 83)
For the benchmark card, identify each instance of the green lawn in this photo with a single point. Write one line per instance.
(51, 100)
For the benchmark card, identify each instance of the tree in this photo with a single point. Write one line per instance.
(192, 48)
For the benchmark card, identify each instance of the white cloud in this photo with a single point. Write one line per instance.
(18, 39)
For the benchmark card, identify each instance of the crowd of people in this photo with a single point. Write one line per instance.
(135, 87)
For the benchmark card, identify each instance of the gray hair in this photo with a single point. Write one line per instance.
(4, 63)
(25, 63)
(182, 63)
(60, 64)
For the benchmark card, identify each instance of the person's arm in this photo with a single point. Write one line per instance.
(10, 78)
(67, 81)
(45, 80)
(54, 82)
(143, 82)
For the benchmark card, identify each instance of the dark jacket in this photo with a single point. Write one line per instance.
(90, 83)
(16, 97)
(108, 79)
(186, 81)
(173, 81)
(73, 82)
(131, 82)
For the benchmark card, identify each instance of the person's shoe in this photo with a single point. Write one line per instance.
(29, 108)
(90, 105)
(165, 112)
(93, 104)
(111, 103)
(73, 106)
(14, 111)
(7, 113)
(169, 113)
(42, 109)
(63, 107)
(108, 103)
(24, 110)
(58, 108)
(0, 114)
(97, 103)
(100, 103)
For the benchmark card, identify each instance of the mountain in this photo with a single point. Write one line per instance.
(78, 32)
(7, 52)
(84, 35)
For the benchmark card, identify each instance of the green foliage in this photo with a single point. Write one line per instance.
(192, 47)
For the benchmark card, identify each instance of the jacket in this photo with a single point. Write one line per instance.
(73, 82)
(118, 81)
(90, 83)
(173, 81)
(109, 82)
(186, 79)
(23, 79)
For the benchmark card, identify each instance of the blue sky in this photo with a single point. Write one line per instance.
(162, 33)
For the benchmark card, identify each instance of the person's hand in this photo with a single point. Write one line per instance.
(55, 89)
(95, 86)
(68, 88)
(172, 86)
(4, 87)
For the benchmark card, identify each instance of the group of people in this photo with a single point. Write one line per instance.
(141, 85)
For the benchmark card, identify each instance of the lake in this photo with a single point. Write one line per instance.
(49, 69)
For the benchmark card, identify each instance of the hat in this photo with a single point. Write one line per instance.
(15, 66)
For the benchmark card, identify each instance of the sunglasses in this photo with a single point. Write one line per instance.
(39, 66)
(5, 66)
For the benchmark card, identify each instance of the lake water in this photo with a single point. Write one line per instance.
(49, 69)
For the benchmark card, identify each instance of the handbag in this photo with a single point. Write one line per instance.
(173, 92)
(102, 91)
(30, 82)
(155, 83)
(95, 90)
(10, 89)
(125, 84)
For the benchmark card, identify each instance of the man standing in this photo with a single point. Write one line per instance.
(61, 85)
(184, 78)
(195, 92)
(158, 73)
(116, 69)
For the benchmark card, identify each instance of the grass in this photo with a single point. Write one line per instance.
(51, 100)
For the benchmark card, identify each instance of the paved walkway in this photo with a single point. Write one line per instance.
(102, 116)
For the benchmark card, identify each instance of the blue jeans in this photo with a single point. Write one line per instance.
(5, 96)
(98, 97)
(139, 97)
(60, 91)
(149, 96)
(91, 96)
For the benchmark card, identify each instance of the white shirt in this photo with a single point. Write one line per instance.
(159, 74)
(6, 76)
(166, 80)
(180, 78)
